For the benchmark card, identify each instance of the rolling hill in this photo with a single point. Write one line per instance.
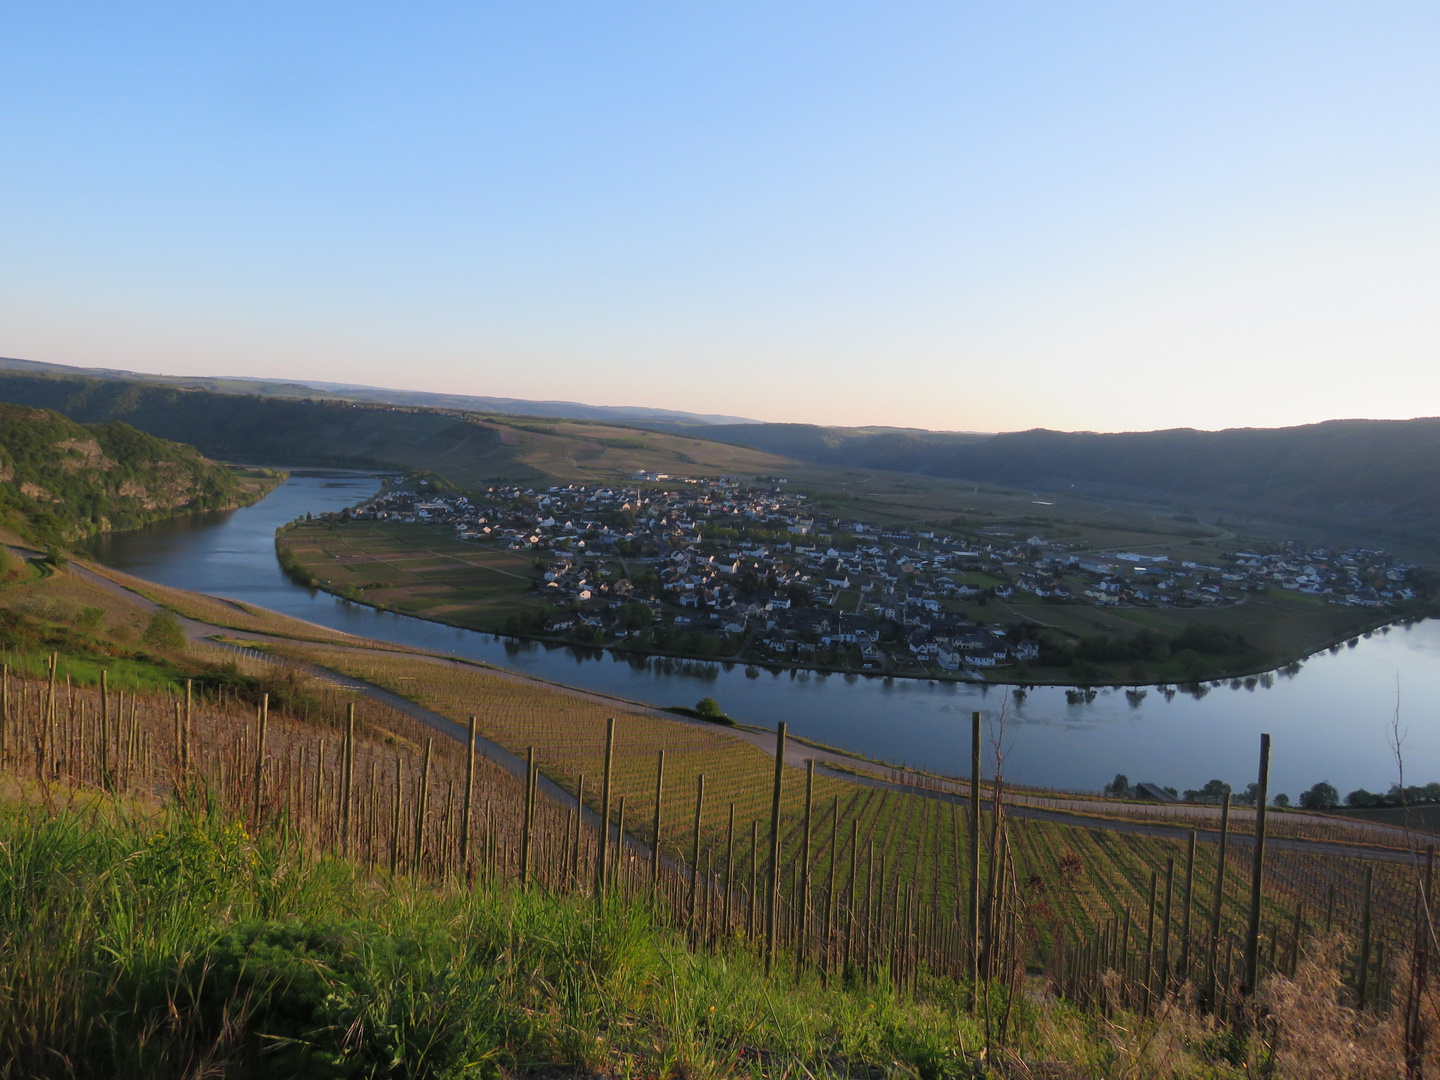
(297, 390)
(466, 448)
(1373, 478)
(1367, 472)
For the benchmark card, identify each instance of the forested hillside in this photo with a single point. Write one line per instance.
(62, 481)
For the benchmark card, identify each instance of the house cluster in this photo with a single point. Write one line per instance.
(772, 577)
(1358, 577)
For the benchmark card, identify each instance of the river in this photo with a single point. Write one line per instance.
(1330, 720)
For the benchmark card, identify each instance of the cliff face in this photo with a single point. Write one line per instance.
(62, 481)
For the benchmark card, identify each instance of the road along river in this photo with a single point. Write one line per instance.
(1331, 719)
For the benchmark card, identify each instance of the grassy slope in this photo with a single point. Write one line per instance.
(230, 614)
(148, 949)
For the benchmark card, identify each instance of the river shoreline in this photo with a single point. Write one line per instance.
(1332, 719)
(297, 573)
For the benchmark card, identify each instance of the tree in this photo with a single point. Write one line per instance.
(1119, 787)
(1282, 800)
(709, 708)
(164, 632)
(1213, 791)
(1322, 796)
(634, 616)
(1249, 796)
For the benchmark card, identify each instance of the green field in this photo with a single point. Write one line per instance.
(418, 569)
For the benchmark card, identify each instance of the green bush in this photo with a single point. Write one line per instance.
(164, 633)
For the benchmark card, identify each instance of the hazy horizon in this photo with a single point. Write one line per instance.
(950, 217)
(645, 406)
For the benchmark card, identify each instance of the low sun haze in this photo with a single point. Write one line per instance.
(955, 216)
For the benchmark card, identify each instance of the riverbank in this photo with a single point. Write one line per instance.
(1331, 718)
(425, 573)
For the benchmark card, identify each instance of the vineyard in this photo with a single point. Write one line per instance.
(854, 858)
(856, 881)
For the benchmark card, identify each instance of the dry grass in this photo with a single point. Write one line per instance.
(1313, 1034)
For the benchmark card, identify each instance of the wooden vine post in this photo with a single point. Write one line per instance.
(466, 866)
(1165, 932)
(5, 714)
(347, 779)
(422, 809)
(260, 755)
(528, 820)
(830, 884)
(1183, 972)
(802, 945)
(655, 826)
(104, 726)
(772, 883)
(395, 818)
(579, 830)
(695, 853)
(974, 935)
(603, 851)
(729, 867)
(1217, 909)
(1252, 931)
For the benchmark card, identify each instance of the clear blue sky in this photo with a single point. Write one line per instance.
(963, 216)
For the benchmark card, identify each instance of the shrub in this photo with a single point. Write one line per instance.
(164, 633)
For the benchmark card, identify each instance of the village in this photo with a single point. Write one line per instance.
(729, 569)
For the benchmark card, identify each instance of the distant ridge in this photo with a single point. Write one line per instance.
(1380, 474)
(1372, 478)
(298, 390)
